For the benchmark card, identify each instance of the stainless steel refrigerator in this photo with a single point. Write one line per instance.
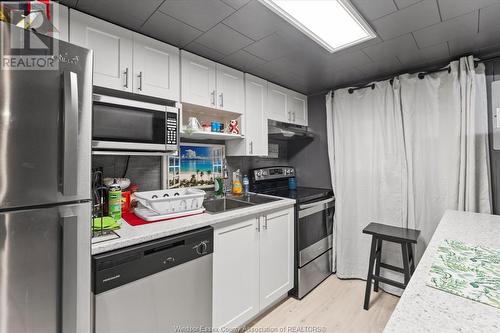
(45, 205)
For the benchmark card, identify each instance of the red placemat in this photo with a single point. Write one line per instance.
(134, 220)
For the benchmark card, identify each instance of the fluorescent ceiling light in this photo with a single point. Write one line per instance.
(334, 24)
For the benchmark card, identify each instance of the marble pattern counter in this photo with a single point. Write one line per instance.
(131, 235)
(425, 309)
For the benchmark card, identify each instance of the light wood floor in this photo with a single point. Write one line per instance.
(334, 306)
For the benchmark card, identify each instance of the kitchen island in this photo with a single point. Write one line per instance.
(131, 235)
(425, 309)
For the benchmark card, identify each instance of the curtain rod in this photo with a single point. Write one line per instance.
(422, 74)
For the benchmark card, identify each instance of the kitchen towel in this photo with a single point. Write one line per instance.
(468, 271)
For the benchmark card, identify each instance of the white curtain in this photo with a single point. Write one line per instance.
(369, 173)
(445, 124)
(402, 154)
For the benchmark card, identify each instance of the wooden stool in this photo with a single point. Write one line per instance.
(403, 236)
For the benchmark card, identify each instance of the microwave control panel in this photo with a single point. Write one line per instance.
(171, 128)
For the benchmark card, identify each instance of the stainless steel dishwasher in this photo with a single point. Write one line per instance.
(160, 286)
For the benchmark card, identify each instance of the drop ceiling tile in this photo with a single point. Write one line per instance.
(454, 8)
(202, 15)
(270, 47)
(242, 60)
(405, 3)
(399, 46)
(204, 51)
(170, 30)
(374, 9)
(236, 4)
(461, 26)
(418, 16)
(463, 45)
(425, 55)
(347, 60)
(381, 68)
(224, 39)
(245, 21)
(128, 13)
(489, 17)
(490, 51)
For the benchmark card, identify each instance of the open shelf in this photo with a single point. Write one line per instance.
(210, 136)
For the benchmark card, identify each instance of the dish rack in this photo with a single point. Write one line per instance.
(174, 201)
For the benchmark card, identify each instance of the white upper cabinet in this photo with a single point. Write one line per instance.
(277, 103)
(297, 105)
(205, 83)
(197, 80)
(276, 256)
(156, 68)
(230, 89)
(112, 47)
(254, 121)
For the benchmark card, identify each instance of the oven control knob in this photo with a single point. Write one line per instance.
(201, 248)
(259, 173)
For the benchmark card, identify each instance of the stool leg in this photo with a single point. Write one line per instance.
(406, 266)
(377, 265)
(412, 258)
(370, 273)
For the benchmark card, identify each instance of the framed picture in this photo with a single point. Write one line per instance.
(196, 165)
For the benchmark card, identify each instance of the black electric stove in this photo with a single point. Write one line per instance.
(314, 211)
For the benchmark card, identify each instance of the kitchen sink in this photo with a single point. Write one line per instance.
(224, 204)
(253, 198)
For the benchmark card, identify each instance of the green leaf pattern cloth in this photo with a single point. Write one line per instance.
(468, 271)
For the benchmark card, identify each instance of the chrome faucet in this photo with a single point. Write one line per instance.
(225, 177)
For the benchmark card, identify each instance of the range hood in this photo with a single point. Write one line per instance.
(284, 131)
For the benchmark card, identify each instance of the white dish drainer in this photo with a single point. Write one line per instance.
(173, 201)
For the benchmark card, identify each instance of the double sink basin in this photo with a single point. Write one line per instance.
(230, 202)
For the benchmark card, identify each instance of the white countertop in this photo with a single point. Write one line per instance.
(425, 309)
(130, 235)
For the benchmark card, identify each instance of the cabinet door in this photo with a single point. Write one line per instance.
(112, 47)
(277, 103)
(197, 80)
(255, 116)
(297, 104)
(156, 68)
(230, 89)
(236, 274)
(276, 256)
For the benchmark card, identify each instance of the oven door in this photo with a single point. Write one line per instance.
(123, 124)
(315, 229)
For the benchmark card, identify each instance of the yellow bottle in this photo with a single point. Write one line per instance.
(237, 188)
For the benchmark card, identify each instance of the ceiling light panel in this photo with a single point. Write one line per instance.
(334, 24)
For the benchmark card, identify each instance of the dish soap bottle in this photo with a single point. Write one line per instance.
(246, 184)
(115, 201)
(237, 189)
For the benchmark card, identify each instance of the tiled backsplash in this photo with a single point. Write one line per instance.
(144, 171)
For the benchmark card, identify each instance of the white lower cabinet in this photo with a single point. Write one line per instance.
(253, 266)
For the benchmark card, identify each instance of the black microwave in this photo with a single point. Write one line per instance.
(125, 124)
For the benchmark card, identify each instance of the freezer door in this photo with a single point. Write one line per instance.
(45, 270)
(45, 129)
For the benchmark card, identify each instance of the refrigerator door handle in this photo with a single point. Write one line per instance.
(70, 136)
(69, 274)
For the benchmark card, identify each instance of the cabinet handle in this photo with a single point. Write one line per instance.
(289, 116)
(293, 117)
(140, 81)
(265, 222)
(126, 78)
(258, 225)
(212, 94)
(251, 147)
(221, 100)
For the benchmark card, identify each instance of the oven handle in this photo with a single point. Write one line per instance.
(315, 207)
(305, 206)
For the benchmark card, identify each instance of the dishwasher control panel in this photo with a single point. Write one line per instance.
(116, 268)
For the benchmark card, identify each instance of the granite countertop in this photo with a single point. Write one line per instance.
(131, 235)
(425, 309)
